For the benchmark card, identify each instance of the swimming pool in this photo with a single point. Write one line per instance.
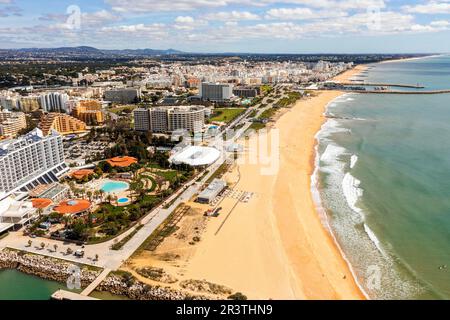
(123, 200)
(114, 186)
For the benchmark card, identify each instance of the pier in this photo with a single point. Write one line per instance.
(62, 295)
(395, 85)
(399, 92)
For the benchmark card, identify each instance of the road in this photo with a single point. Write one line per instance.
(113, 259)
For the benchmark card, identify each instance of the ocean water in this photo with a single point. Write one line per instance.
(15, 285)
(384, 182)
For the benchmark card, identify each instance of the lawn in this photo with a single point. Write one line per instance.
(226, 114)
(119, 110)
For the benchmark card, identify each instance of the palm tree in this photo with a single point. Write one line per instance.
(55, 246)
(42, 245)
(39, 212)
(102, 194)
(30, 243)
(96, 257)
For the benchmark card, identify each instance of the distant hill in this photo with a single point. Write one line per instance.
(84, 51)
(143, 52)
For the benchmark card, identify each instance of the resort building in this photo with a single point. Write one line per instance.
(11, 123)
(28, 103)
(215, 188)
(55, 192)
(29, 161)
(123, 96)
(81, 174)
(90, 112)
(62, 123)
(42, 204)
(9, 102)
(196, 156)
(246, 92)
(122, 162)
(15, 213)
(170, 119)
(54, 102)
(73, 207)
(216, 92)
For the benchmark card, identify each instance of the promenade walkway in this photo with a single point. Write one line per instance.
(89, 289)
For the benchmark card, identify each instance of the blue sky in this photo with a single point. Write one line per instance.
(266, 26)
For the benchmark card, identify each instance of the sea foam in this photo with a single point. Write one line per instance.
(352, 193)
(353, 161)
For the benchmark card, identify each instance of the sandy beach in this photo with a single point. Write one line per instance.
(275, 245)
(410, 59)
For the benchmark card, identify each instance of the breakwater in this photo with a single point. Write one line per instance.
(122, 284)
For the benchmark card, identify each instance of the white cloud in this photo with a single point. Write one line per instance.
(147, 6)
(232, 16)
(302, 14)
(432, 7)
(188, 23)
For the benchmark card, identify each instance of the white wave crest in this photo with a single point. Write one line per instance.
(352, 193)
(374, 239)
(353, 161)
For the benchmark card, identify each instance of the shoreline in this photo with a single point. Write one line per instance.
(321, 211)
(411, 59)
(315, 189)
(279, 231)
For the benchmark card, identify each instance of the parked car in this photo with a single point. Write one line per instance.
(79, 254)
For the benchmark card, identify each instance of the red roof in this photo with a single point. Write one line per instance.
(41, 203)
(122, 161)
(73, 206)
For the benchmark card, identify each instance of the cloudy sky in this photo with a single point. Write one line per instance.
(266, 26)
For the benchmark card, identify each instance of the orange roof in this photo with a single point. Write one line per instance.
(80, 174)
(122, 161)
(73, 206)
(41, 203)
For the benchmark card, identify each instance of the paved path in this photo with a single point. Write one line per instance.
(89, 289)
(113, 259)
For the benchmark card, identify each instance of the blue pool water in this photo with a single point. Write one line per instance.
(114, 186)
(123, 200)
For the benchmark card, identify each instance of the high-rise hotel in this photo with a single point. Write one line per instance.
(170, 119)
(29, 161)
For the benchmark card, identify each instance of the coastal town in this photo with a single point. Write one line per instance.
(134, 174)
(109, 171)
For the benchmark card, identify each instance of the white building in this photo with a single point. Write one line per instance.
(124, 96)
(13, 212)
(54, 102)
(29, 161)
(170, 119)
(196, 156)
(11, 123)
(216, 92)
(212, 191)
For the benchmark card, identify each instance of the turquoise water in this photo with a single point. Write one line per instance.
(123, 200)
(115, 186)
(384, 181)
(15, 285)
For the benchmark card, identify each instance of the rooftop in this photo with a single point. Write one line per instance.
(122, 161)
(80, 174)
(196, 156)
(73, 206)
